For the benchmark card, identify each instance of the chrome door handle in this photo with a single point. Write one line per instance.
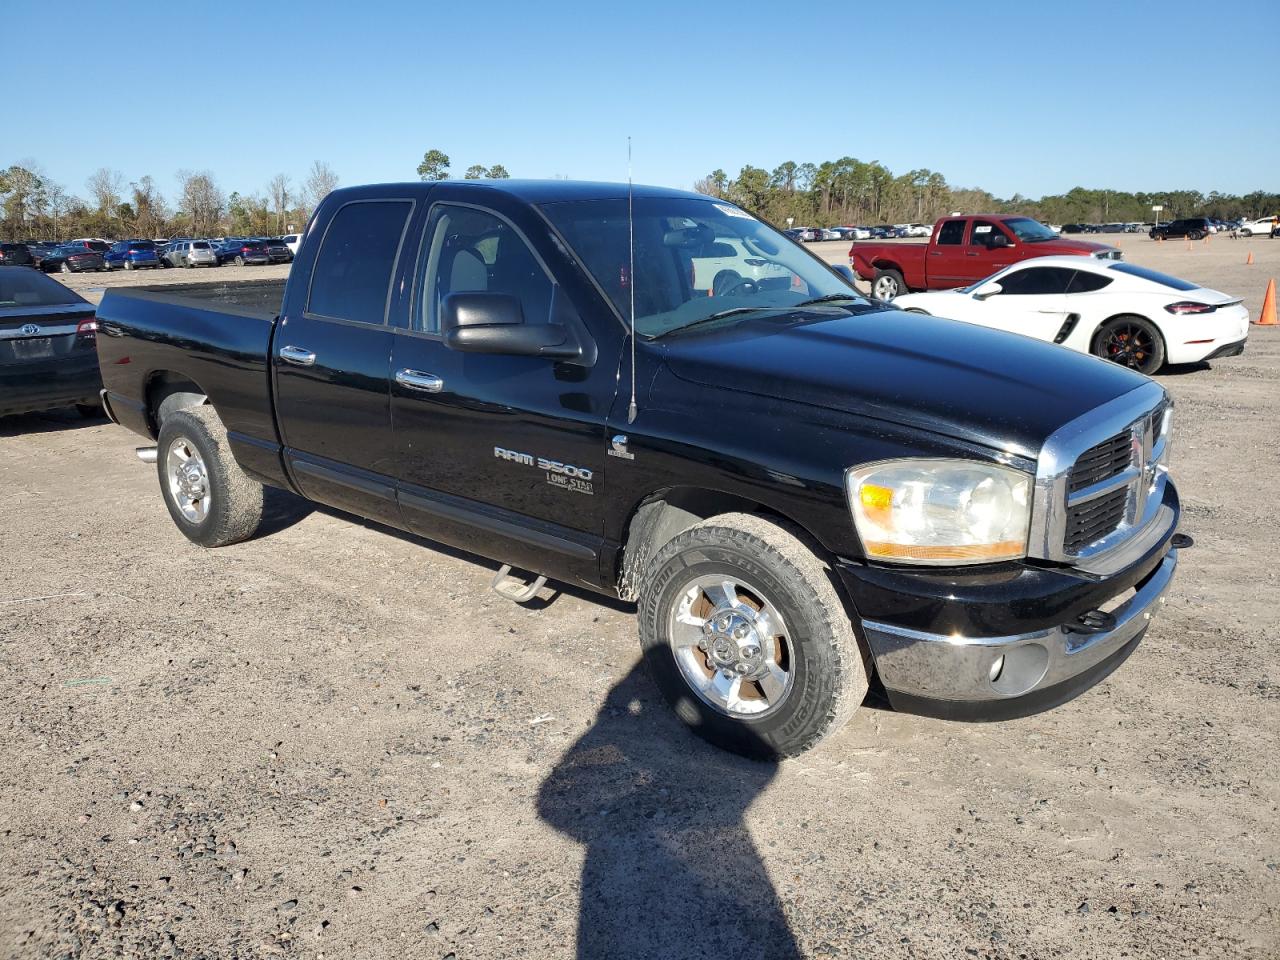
(417, 380)
(298, 356)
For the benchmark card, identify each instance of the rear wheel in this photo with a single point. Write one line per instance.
(747, 638)
(887, 284)
(1131, 341)
(212, 501)
(128, 264)
(65, 268)
(1196, 235)
(239, 261)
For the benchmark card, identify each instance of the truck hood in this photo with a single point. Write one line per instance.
(1001, 390)
(1051, 248)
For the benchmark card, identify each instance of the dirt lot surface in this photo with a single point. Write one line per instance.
(331, 741)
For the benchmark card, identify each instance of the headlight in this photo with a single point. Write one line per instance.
(941, 512)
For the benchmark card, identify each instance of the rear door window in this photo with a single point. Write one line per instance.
(352, 275)
(951, 233)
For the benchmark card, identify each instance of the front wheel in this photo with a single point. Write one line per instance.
(65, 268)
(212, 501)
(887, 284)
(1246, 232)
(748, 639)
(128, 264)
(1131, 341)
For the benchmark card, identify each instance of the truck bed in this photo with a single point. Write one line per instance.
(210, 339)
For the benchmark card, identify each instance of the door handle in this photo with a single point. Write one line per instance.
(417, 380)
(298, 356)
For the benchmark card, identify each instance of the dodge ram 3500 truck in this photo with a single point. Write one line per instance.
(960, 251)
(802, 490)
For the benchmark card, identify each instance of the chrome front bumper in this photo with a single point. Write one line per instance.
(976, 670)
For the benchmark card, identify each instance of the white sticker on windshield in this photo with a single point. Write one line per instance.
(729, 211)
(986, 229)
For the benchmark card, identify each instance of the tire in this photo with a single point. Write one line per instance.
(1246, 232)
(1131, 327)
(65, 268)
(887, 284)
(239, 261)
(231, 506)
(1196, 235)
(128, 265)
(824, 672)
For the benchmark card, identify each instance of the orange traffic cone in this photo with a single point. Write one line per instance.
(1248, 261)
(1268, 316)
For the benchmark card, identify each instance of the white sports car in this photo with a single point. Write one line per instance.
(1111, 308)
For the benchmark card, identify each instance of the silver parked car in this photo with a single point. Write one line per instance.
(192, 253)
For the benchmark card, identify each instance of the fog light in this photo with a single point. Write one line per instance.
(997, 668)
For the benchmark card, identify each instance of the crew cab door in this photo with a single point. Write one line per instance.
(1032, 301)
(332, 354)
(945, 264)
(503, 455)
(990, 248)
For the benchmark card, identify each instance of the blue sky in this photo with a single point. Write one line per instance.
(1028, 97)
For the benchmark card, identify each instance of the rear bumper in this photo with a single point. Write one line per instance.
(1229, 350)
(59, 382)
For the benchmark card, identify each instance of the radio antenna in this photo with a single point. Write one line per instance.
(631, 282)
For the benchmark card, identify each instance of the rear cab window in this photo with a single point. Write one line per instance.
(351, 278)
(951, 233)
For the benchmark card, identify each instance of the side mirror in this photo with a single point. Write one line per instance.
(845, 271)
(494, 323)
(987, 290)
(999, 240)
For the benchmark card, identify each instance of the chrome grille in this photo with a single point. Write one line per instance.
(1100, 481)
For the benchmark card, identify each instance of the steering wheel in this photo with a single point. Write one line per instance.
(730, 284)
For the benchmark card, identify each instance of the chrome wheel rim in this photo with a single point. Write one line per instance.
(886, 288)
(188, 480)
(732, 646)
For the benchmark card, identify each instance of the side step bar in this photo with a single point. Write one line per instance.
(507, 586)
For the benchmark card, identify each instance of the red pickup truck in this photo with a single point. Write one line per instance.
(960, 251)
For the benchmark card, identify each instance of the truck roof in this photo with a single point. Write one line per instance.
(529, 191)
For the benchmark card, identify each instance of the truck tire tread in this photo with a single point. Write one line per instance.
(237, 500)
(840, 667)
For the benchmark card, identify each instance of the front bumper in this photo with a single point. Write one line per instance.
(995, 678)
(1009, 641)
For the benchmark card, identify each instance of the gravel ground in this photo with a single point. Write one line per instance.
(332, 741)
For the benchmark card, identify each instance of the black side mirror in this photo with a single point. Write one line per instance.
(494, 323)
(999, 240)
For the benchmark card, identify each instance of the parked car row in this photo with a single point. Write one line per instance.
(884, 231)
(93, 253)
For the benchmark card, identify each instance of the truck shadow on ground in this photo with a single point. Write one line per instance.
(671, 870)
(49, 421)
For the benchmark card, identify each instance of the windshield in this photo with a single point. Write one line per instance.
(142, 245)
(694, 260)
(1028, 230)
(26, 288)
(200, 245)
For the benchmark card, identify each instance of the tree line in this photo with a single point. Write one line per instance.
(851, 191)
(34, 206)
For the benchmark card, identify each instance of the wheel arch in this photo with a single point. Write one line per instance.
(657, 519)
(168, 390)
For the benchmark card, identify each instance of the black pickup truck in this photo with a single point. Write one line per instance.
(805, 491)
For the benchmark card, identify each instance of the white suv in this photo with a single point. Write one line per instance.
(1261, 226)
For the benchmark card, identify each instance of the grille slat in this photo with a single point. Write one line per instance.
(1089, 522)
(1101, 462)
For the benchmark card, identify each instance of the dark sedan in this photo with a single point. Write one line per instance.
(72, 258)
(48, 346)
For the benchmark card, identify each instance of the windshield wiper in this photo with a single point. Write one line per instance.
(830, 298)
(716, 316)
